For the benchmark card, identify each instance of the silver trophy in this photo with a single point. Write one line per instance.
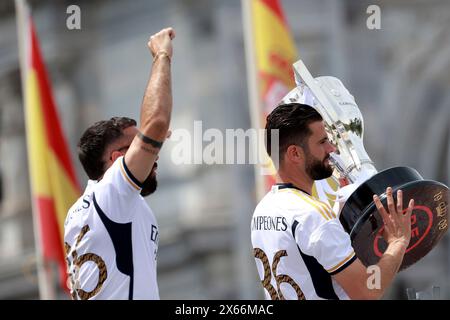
(358, 215)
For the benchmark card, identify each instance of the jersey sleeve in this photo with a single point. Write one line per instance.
(118, 192)
(327, 242)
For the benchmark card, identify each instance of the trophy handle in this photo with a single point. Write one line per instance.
(328, 112)
(350, 159)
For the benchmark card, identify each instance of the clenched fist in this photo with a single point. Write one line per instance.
(162, 42)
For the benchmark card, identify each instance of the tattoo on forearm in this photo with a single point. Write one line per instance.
(150, 141)
(149, 150)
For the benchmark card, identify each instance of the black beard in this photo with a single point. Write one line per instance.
(317, 170)
(149, 186)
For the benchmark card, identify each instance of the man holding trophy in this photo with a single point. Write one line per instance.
(304, 249)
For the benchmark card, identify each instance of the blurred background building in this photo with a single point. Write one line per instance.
(399, 76)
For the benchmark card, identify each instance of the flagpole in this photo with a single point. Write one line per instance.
(45, 280)
(253, 92)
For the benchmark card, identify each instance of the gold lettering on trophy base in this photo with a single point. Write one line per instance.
(437, 196)
(441, 210)
(443, 224)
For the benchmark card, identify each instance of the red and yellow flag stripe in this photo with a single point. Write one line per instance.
(54, 185)
(275, 53)
(275, 49)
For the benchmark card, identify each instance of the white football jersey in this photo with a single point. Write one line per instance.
(111, 240)
(298, 244)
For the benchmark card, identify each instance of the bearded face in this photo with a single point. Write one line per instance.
(318, 169)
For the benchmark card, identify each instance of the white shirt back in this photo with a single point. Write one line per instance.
(298, 245)
(111, 240)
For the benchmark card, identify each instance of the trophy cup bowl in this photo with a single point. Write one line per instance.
(361, 219)
(359, 215)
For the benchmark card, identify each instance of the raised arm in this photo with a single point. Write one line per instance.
(155, 110)
(397, 233)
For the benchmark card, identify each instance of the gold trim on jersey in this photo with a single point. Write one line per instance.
(340, 264)
(324, 205)
(327, 206)
(134, 185)
(313, 202)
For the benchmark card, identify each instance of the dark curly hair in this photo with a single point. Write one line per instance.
(292, 120)
(94, 141)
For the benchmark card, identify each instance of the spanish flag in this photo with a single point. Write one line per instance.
(275, 53)
(271, 51)
(54, 185)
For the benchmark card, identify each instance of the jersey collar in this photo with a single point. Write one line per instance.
(281, 186)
